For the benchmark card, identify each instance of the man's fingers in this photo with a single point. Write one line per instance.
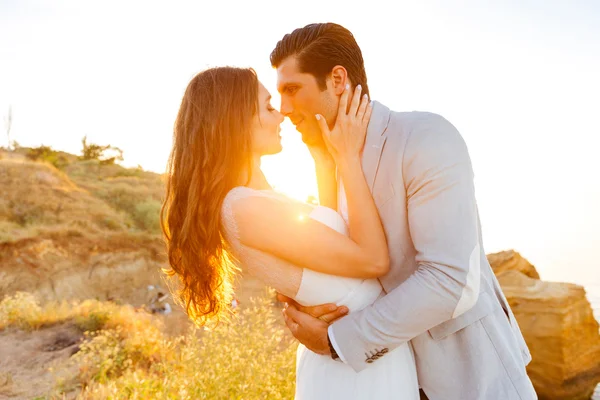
(291, 324)
(302, 318)
(283, 298)
(355, 101)
(298, 317)
(318, 311)
(292, 313)
(333, 316)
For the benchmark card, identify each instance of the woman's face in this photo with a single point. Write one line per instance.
(266, 125)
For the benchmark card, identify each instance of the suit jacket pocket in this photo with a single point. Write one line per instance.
(482, 308)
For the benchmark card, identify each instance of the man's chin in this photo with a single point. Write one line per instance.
(311, 138)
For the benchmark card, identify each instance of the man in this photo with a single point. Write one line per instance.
(441, 293)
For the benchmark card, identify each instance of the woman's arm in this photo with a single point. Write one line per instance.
(327, 183)
(325, 170)
(285, 230)
(345, 143)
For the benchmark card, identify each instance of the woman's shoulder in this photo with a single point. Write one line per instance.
(247, 205)
(243, 200)
(243, 192)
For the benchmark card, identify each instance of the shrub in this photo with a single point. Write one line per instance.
(25, 212)
(93, 321)
(109, 223)
(147, 215)
(45, 153)
(91, 151)
(21, 310)
(24, 311)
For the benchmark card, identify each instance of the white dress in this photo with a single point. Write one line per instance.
(319, 377)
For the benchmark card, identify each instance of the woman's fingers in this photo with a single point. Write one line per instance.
(323, 125)
(368, 112)
(324, 130)
(343, 106)
(363, 107)
(352, 112)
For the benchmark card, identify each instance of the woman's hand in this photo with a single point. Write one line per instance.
(347, 138)
(322, 157)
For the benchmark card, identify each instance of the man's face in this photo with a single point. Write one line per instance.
(302, 99)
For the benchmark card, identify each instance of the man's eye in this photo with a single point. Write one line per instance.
(291, 89)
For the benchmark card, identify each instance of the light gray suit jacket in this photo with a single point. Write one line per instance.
(441, 292)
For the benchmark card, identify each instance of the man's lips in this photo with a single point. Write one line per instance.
(297, 122)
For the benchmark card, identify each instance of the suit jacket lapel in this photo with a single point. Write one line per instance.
(375, 141)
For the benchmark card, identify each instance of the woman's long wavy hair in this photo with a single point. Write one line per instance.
(211, 151)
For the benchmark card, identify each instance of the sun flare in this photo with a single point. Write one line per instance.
(292, 171)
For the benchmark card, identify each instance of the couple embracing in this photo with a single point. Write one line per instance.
(388, 287)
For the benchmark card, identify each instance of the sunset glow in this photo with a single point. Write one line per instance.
(519, 81)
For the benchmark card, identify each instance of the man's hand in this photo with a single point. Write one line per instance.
(310, 331)
(328, 313)
(309, 324)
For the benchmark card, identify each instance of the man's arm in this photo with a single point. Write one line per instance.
(443, 225)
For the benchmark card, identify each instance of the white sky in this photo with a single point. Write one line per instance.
(519, 79)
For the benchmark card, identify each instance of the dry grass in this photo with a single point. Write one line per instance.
(126, 355)
(84, 225)
(23, 310)
(82, 195)
(37, 195)
(135, 193)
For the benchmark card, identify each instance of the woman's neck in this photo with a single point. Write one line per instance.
(257, 178)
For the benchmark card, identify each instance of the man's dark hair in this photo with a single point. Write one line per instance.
(320, 47)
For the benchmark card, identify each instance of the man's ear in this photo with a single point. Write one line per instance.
(339, 79)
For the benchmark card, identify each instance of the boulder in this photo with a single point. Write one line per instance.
(511, 260)
(558, 324)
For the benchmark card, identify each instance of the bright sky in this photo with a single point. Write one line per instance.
(519, 79)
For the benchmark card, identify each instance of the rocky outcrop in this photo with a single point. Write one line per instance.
(559, 326)
(511, 260)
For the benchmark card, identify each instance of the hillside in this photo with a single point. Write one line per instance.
(80, 246)
(87, 232)
(84, 231)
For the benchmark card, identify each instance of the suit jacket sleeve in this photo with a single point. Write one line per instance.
(442, 217)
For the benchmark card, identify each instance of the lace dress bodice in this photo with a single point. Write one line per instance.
(274, 272)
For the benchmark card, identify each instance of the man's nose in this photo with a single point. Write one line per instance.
(286, 107)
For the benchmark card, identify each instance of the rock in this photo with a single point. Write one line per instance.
(511, 260)
(62, 340)
(558, 324)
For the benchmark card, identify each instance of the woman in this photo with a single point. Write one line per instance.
(219, 207)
